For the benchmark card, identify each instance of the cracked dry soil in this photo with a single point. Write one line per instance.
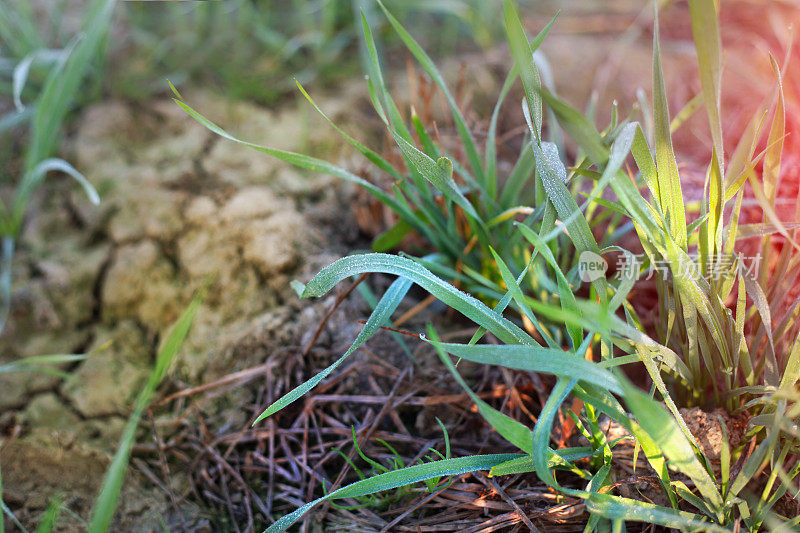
(177, 208)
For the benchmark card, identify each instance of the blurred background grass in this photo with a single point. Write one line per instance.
(245, 48)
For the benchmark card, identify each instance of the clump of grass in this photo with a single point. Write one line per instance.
(702, 350)
(721, 347)
(714, 353)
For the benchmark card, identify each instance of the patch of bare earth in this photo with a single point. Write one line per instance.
(178, 209)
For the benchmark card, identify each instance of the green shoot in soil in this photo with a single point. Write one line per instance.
(107, 499)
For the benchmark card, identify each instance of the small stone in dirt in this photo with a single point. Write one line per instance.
(48, 411)
(707, 430)
(108, 380)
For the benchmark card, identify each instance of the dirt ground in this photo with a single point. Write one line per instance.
(178, 206)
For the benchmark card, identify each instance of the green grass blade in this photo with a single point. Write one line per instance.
(520, 174)
(18, 29)
(309, 163)
(673, 443)
(724, 459)
(387, 110)
(578, 126)
(438, 173)
(568, 211)
(748, 169)
(686, 113)
(772, 158)
(669, 184)
(430, 68)
(380, 315)
(563, 458)
(566, 296)
(108, 497)
(628, 141)
(21, 71)
(616, 507)
(372, 301)
(398, 478)
(512, 430)
(32, 179)
(772, 165)
(523, 59)
(543, 428)
(515, 291)
(747, 231)
(791, 374)
(428, 146)
(63, 85)
(705, 29)
(756, 293)
(392, 237)
(50, 518)
(42, 364)
(469, 306)
(490, 152)
(6, 262)
(754, 462)
(535, 359)
(375, 158)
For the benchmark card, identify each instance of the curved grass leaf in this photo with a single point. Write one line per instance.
(309, 163)
(398, 478)
(469, 306)
(382, 312)
(616, 507)
(20, 76)
(34, 178)
(535, 359)
(375, 158)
